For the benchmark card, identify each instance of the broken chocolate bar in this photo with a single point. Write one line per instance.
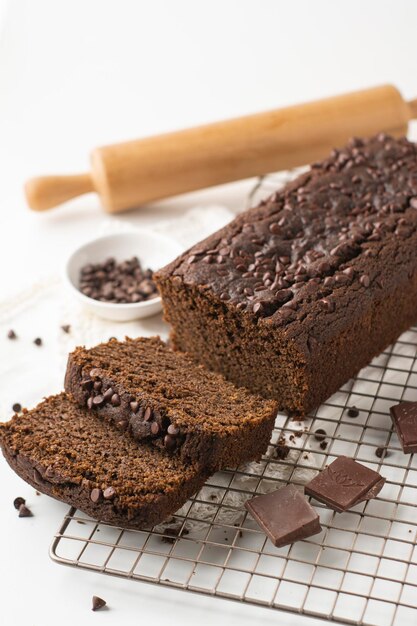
(284, 515)
(345, 483)
(404, 417)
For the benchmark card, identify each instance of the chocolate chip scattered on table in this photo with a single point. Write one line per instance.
(345, 483)
(320, 434)
(24, 511)
(281, 450)
(284, 515)
(98, 603)
(118, 282)
(17, 502)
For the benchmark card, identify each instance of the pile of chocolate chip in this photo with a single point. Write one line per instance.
(122, 283)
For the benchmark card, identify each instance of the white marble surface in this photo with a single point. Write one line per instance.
(80, 73)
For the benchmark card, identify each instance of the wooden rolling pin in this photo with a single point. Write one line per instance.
(130, 174)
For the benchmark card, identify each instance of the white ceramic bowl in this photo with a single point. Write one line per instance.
(153, 251)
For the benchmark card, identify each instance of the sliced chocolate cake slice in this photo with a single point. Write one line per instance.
(162, 396)
(71, 455)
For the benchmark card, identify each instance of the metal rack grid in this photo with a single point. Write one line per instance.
(362, 567)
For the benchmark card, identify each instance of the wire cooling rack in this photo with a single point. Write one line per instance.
(362, 567)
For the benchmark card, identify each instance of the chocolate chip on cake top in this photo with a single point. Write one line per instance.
(301, 244)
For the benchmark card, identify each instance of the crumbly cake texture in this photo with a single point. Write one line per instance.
(64, 452)
(162, 396)
(296, 295)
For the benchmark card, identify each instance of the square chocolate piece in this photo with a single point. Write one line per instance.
(345, 483)
(284, 515)
(404, 417)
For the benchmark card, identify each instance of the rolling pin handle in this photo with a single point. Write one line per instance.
(45, 192)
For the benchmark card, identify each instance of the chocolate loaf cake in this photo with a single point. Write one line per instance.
(68, 454)
(296, 295)
(162, 396)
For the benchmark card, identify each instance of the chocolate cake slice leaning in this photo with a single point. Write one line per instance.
(296, 295)
(65, 452)
(162, 396)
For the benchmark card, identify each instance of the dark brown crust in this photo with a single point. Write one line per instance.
(43, 464)
(147, 515)
(303, 350)
(225, 445)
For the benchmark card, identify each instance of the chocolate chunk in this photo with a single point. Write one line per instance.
(381, 452)
(281, 451)
(173, 430)
(148, 414)
(170, 534)
(170, 442)
(107, 395)
(284, 515)
(17, 502)
(37, 476)
(109, 493)
(24, 511)
(66, 328)
(90, 402)
(95, 372)
(95, 495)
(324, 445)
(320, 434)
(344, 483)
(134, 406)
(353, 412)
(323, 268)
(115, 399)
(155, 428)
(364, 280)
(98, 400)
(37, 341)
(17, 407)
(98, 603)
(326, 305)
(275, 228)
(404, 417)
(97, 385)
(11, 334)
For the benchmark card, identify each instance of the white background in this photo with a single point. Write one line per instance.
(79, 73)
